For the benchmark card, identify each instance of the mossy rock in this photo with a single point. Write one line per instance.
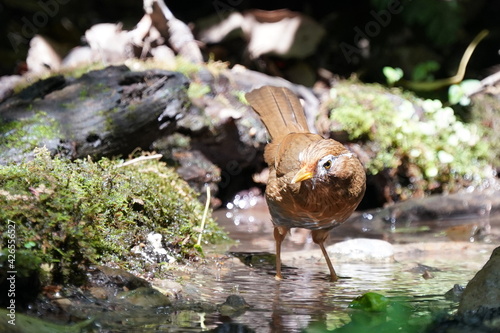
(420, 144)
(72, 214)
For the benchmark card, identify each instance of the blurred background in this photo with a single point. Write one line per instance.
(425, 38)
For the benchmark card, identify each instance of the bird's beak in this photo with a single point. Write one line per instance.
(303, 174)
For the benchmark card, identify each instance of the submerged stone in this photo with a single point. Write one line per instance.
(234, 306)
(145, 297)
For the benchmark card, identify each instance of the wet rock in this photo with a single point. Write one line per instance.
(145, 297)
(169, 288)
(153, 251)
(422, 269)
(484, 288)
(114, 278)
(234, 306)
(362, 250)
(467, 232)
(197, 170)
(232, 327)
(261, 260)
(98, 292)
(455, 293)
(480, 204)
(480, 320)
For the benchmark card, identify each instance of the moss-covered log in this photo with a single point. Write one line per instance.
(102, 113)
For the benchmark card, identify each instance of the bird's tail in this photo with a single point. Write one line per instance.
(279, 109)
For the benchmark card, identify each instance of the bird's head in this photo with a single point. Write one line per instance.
(324, 161)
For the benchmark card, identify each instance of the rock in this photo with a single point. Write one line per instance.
(114, 279)
(422, 269)
(234, 306)
(145, 297)
(362, 250)
(480, 204)
(481, 320)
(197, 170)
(455, 293)
(169, 288)
(153, 251)
(484, 288)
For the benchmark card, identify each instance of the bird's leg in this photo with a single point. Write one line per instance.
(279, 236)
(319, 237)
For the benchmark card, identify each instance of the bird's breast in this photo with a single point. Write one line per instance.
(318, 206)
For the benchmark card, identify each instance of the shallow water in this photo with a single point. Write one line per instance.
(306, 296)
(294, 304)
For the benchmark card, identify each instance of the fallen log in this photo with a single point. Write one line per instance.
(106, 112)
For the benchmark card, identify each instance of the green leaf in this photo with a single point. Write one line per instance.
(455, 94)
(29, 245)
(392, 75)
(372, 302)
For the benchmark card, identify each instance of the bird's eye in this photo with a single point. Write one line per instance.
(327, 165)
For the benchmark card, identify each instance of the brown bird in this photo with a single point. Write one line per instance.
(314, 183)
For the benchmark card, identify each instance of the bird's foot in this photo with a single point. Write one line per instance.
(334, 278)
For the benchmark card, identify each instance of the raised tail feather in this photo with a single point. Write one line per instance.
(279, 109)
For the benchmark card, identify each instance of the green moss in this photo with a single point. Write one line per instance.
(25, 134)
(131, 114)
(82, 212)
(107, 115)
(84, 93)
(69, 106)
(74, 72)
(421, 141)
(197, 90)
